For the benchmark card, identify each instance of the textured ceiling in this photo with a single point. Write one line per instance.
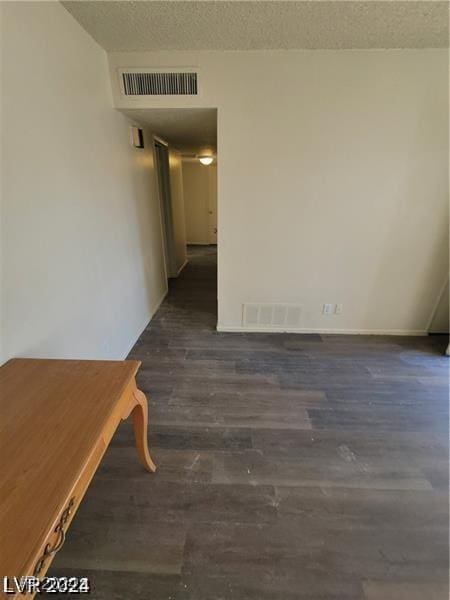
(252, 25)
(189, 130)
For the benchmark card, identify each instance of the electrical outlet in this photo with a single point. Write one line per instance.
(338, 309)
(327, 309)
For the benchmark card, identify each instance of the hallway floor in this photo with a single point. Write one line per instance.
(290, 467)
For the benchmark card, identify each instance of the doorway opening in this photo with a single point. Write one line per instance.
(200, 199)
(185, 173)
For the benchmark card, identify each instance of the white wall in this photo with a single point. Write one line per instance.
(82, 266)
(333, 180)
(196, 199)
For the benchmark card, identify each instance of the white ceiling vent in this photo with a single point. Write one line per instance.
(271, 316)
(135, 82)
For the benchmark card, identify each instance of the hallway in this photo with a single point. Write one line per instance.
(290, 467)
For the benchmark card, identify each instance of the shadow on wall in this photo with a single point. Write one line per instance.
(400, 266)
(439, 323)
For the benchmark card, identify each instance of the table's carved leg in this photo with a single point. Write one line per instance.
(139, 410)
(140, 421)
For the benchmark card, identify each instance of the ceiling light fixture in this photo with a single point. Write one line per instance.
(205, 160)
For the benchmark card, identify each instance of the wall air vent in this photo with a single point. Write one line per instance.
(271, 316)
(158, 83)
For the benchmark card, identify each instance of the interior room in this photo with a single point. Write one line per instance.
(224, 349)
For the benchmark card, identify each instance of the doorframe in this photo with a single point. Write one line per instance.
(211, 169)
(437, 304)
(163, 215)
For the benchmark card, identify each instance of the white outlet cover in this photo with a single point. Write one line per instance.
(338, 309)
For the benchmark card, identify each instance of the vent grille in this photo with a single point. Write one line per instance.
(271, 316)
(160, 84)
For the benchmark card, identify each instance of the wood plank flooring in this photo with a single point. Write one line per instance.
(290, 467)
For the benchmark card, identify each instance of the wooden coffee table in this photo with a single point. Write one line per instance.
(57, 418)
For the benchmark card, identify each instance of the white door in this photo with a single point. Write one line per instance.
(212, 208)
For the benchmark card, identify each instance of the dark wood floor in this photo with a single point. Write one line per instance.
(291, 467)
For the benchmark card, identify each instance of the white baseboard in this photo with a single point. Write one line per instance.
(406, 332)
(180, 269)
(147, 321)
(157, 304)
